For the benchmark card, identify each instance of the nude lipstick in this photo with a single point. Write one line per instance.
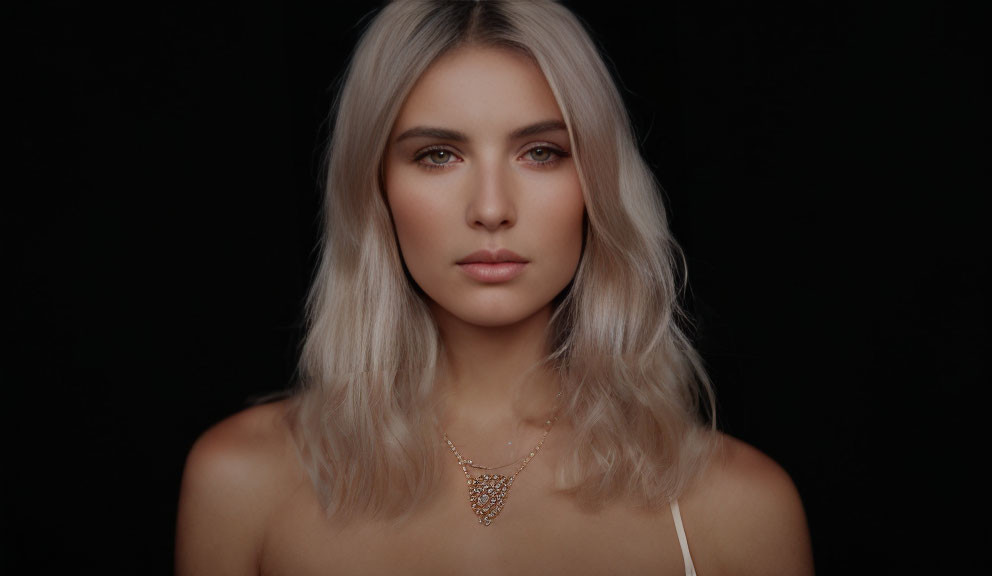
(493, 267)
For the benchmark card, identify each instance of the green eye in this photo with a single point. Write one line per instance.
(545, 156)
(439, 156)
(540, 154)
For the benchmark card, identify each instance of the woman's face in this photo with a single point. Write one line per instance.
(479, 168)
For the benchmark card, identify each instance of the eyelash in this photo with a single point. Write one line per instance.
(557, 155)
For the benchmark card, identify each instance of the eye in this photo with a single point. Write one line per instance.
(435, 158)
(540, 154)
(439, 156)
(545, 155)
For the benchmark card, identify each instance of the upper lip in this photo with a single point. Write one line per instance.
(489, 257)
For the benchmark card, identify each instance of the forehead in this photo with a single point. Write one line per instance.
(482, 87)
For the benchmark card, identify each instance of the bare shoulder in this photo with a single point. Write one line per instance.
(747, 516)
(235, 475)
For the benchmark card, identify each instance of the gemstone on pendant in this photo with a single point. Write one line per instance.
(487, 494)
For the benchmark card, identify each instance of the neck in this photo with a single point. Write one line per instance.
(494, 395)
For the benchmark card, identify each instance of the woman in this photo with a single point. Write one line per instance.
(493, 376)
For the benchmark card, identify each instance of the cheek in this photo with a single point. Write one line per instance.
(565, 212)
(416, 220)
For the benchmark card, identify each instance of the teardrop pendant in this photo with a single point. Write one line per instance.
(487, 494)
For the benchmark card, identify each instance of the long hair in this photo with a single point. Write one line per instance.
(634, 388)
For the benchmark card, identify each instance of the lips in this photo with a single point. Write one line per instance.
(488, 257)
(493, 267)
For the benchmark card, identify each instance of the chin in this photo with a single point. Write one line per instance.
(495, 320)
(492, 315)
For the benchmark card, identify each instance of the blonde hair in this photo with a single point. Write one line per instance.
(633, 384)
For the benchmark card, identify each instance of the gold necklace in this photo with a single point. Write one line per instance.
(487, 494)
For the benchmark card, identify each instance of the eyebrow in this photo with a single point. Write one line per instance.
(456, 136)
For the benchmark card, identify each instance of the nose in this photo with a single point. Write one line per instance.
(491, 205)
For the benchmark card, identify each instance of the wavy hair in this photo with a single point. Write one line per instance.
(634, 388)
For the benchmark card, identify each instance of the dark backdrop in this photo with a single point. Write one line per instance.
(823, 168)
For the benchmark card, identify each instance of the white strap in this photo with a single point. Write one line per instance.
(690, 570)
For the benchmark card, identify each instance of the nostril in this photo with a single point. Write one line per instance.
(491, 217)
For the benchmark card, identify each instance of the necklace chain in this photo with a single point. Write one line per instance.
(488, 493)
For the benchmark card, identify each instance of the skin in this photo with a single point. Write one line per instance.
(449, 198)
(247, 506)
(490, 188)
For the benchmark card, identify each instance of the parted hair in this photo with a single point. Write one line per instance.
(634, 389)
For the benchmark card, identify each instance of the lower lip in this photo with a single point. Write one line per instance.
(493, 272)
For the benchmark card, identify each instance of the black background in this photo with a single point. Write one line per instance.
(823, 164)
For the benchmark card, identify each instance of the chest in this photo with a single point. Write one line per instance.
(536, 532)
